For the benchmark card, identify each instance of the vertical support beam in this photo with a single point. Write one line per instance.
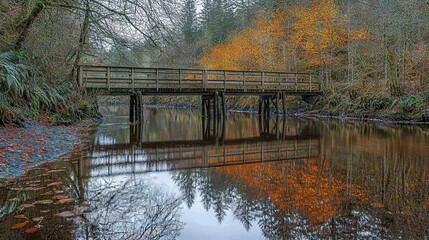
(203, 107)
(296, 82)
(108, 78)
(260, 106)
(180, 79)
(224, 80)
(223, 105)
(204, 77)
(157, 79)
(139, 107)
(244, 82)
(263, 81)
(209, 107)
(132, 108)
(284, 104)
(277, 103)
(215, 105)
(132, 79)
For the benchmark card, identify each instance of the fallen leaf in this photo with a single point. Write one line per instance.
(44, 211)
(20, 216)
(47, 193)
(25, 206)
(65, 214)
(37, 219)
(66, 201)
(54, 184)
(33, 229)
(59, 197)
(56, 171)
(20, 225)
(43, 202)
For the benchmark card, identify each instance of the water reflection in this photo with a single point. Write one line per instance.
(177, 176)
(135, 156)
(288, 179)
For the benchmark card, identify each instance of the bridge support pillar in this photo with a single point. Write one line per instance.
(214, 106)
(265, 101)
(264, 105)
(136, 108)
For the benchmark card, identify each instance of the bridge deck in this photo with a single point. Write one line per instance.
(123, 80)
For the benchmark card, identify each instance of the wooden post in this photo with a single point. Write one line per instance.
(244, 81)
(203, 106)
(284, 103)
(277, 102)
(132, 108)
(157, 79)
(224, 80)
(180, 79)
(132, 78)
(108, 78)
(296, 82)
(263, 81)
(209, 106)
(204, 80)
(215, 107)
(223, 105)
(139, 107)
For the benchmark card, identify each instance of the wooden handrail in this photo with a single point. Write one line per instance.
(184, 79)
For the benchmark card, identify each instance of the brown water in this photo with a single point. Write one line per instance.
(176, 176)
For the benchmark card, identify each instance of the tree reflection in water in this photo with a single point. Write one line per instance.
(301, 200)
(132, 209)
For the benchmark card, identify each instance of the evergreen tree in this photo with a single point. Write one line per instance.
(189, 21)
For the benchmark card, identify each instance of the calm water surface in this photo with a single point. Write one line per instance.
(248, 178)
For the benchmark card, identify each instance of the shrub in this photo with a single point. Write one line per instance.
(25, 92)
(410, 103)
(376, 101)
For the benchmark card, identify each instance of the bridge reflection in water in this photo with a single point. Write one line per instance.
(213, 150)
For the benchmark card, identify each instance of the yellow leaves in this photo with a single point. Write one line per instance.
(298, 31)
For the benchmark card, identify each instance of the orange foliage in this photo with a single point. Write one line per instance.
(304, 33)
(307, 188)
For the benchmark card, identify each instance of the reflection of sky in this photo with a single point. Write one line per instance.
(202, 224)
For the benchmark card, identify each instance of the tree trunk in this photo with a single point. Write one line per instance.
(24, 26)
(82, 43)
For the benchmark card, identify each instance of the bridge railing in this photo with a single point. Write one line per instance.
(167, 158)
(161, 79)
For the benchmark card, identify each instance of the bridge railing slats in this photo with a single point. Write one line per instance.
(105, 77)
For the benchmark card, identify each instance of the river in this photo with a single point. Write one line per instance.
(179, 176)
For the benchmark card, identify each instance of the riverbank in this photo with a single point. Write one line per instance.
(296, 113)
(38, 142)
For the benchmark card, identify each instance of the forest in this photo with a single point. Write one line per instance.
(372, 56)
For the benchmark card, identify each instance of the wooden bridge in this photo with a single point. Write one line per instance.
(213, 85)
(112, 160)
(136, 155)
